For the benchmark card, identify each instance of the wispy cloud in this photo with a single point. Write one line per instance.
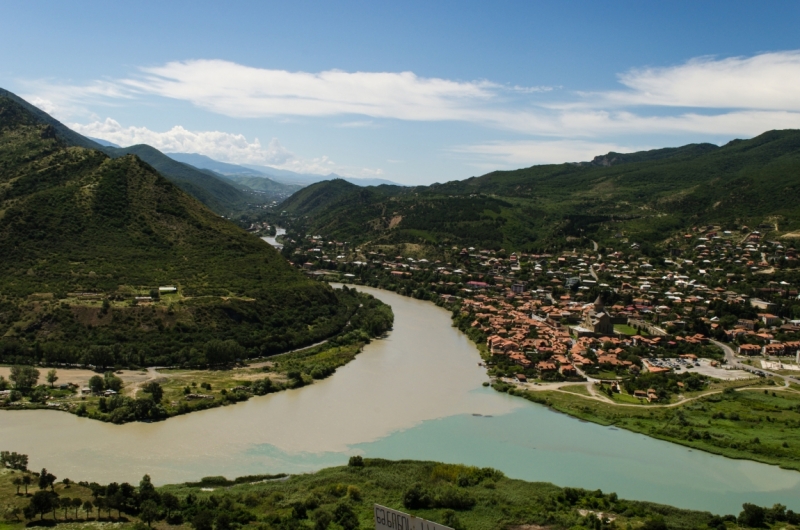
(494, 155)
(242, 91)
(223, 146)
(729, 96)
(703, 97)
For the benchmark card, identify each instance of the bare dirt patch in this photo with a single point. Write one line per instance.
(80, 376)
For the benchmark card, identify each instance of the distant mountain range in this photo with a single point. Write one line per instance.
(279, 175)
(646, 197)
(212, 189)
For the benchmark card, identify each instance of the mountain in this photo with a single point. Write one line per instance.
(265, 185)
(209, 188)
(206, 162)
(83, 234)
(304, 179)
(104, 143)
(647, 197)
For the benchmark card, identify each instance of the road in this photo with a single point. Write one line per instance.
(730, 358)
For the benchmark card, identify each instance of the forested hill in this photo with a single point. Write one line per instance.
(646, 197)
(83, 235)
(209, 188)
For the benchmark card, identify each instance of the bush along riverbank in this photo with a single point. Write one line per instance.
(342, 498)
(123, 396)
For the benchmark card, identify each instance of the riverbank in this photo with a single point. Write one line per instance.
(760, 426)
(459, 496)
(159, 394)
(758, 423)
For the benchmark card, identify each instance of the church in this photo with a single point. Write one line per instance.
(598, 320)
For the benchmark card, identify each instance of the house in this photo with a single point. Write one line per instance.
(567, 370)
(546, 366)
(521, 378)
(749, 349)
(641, 394)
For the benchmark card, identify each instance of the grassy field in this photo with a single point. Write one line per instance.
(576, 389)
(738, 420)
(628, 330)
(342, 498)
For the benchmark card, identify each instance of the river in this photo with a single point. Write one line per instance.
(414, 395)
(273, 240)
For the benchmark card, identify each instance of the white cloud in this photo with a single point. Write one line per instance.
(530, 152)
(246, 92)
(731, 96)
(222, 146)
(767, 81)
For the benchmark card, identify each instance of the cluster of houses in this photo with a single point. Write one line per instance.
(527, 302)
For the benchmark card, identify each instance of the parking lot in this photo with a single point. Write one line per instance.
(702, 367)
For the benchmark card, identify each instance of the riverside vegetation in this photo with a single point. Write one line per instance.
(341, 498)
(226, 379)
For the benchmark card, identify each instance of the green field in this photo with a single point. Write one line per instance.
(754, 423)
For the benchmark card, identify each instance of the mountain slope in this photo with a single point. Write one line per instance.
(647, 196)
(82, 234)
(265, 185)
(210, 189)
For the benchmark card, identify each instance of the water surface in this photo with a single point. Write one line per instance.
(411, 395)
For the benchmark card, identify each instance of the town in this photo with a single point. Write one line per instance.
(716, 303)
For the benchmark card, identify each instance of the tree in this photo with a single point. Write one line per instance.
(146, 489)
(65, 503)
(322, 519)
(112, 382)
(41, 503)
(148, 512)
(46, 480)
(88, 508)
(117, 502)
(52, 377)
(203, 520)
(170, 502)
(14, 460)
(76, 503)
(752, 515)
(96, 384)
(155, 390)
(26, 481)
(344, 515)
(24, 377)
(18, 483)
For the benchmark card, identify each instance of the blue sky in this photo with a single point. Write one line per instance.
(414, 92)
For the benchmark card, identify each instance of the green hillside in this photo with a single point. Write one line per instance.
(206, 186)
(82, 235)
(213, 191)
(645, 197)
(264, 185)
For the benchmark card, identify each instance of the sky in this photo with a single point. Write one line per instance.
(412, 92)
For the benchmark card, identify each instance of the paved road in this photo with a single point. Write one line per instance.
(730, 358)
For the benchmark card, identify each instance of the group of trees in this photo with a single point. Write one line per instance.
(205, 335)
